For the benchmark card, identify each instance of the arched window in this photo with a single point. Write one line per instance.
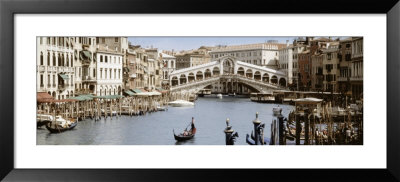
(48, 59)
(41, 56)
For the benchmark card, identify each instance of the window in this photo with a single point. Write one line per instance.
(105, 73)
(94, 73)
(54, 59)
(347, 45)
(101, 58)
(54, 80)
(90, 41)
(329, 55)
(101, 73)
(41, 57)
(41, 80)
(67, 60)
(97, 41)
(115, 73)
(80, 39)
(48, 40)
(116, 39)
(40, 40)
(119, 73)
(105, 59)
(103, 40)
(48, 59)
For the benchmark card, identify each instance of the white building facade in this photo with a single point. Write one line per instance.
(110, 74)
(55, 68)
(169, 65)
(286, 62)
(262, 54)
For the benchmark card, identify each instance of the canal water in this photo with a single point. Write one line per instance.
(155, 128)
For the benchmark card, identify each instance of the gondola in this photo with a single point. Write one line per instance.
(182, 137)
(61, 125)
(58, 129)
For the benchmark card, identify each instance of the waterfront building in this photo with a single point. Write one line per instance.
(154, 69)
(305, 63)
(286, 62)
(109, 69)
(330, 67)
(169, 65)
(356, 67)
(344, 65)
(192, 58)
(317, 76)
(261, 54)
(304, 70)
(85, 65)
(299, 46)
(55, 66)
(130, 69)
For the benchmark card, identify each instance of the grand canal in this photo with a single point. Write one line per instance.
(155, 128)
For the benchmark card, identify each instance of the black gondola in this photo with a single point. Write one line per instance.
(186, 135)
(58, 129)
(42, 123)
(182, 137)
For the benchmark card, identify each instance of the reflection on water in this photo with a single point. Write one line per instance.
(156, 128)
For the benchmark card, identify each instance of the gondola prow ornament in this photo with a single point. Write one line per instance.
(258, 138)
(230, 137)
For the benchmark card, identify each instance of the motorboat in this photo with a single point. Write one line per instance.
(43, 119)
(181, 103)
(219, 96)
(161, 108)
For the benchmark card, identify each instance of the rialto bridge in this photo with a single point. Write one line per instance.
(228, 75)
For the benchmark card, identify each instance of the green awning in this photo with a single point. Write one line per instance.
(64, 77)
(109, 97)
(82, 97)
(129, 92)
(136, 90)
(85, 55)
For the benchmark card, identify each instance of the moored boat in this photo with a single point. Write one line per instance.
(43, 119)
(181, 103)
(277, 110)
(219, 96)
(60, 125)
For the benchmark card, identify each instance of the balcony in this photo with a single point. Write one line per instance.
(41, 68)
(88, 79)
(356, 78)
(61, 87)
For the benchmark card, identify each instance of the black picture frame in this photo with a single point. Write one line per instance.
(9, 8)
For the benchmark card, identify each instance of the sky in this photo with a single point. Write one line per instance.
(188, 43)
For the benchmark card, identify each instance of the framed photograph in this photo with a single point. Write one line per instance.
(140, 93)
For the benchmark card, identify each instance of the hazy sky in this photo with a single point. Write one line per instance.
(187, 43)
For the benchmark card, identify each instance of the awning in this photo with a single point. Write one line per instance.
(161, 90)
(82, 97)
(44, 97)
(136, 90)
(129, 92)
(64, 77)
(87, 54)
(109, 97)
